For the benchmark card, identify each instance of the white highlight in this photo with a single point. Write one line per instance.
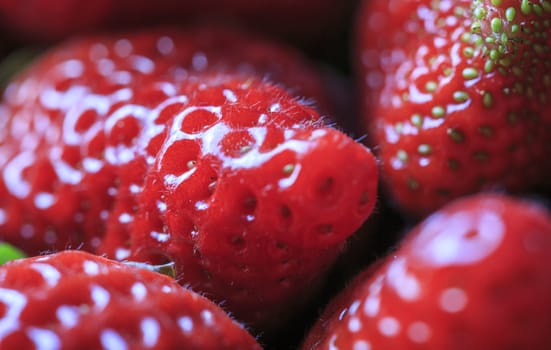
(453, 300)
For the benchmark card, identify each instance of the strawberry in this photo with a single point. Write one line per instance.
(474, 275)
(175, 146)
(302, 22)
(456, 96)
(76, 300)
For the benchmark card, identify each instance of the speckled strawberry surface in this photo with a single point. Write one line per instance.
(76, 300)
(201, 147)
(473, 275)
(456, 95)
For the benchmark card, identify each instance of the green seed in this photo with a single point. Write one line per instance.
(438, 111)
(546, 6)
(413, 184)
(417, 120)
(496, 25)
(479, 12)
(497, 2)
(453, 164)
(486, 131)
(191, 164)
(515, 28)
(512, 117)
(424, 149)
(245, 149)
(460, 96)
(470, 73)
(468, 52)
(525, 7)
(402, 155)
(431, 86)
(481, 156)
(456, 135)
(288, 169)
(538, 10)
(505, 61)
(399, 127)
(510, 14)
(488, 66)
(487, 99)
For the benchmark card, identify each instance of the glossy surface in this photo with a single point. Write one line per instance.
(186, 147)
(457, 96)
(473, 275)
(75, 300)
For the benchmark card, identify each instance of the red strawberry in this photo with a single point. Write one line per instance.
(75, 300)
(474, 275)
(304, 21)
(457, 96)
(174, 146)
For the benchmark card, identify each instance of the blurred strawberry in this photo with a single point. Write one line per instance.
(473, 275)
(304, 22)
(456, 95)
(75, 300)
(176, 146)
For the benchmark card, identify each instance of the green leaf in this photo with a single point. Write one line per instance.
(15, 62)
(9, 252)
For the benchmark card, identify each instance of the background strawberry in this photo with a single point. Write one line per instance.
(471, 276)
(456, 95)
(317, 25)
(176, 146)
(75, 300)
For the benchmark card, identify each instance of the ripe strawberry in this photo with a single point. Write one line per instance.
(474, 275)
(76, 300)
(303, 21)
(456, 95)
(175, 146)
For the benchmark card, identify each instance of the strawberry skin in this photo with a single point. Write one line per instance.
(304, 21)
(456, 96)
(76, 300)
(171, 146)
(474, 275)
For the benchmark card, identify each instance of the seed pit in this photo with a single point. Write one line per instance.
(285, 211)
(325, 229)
(472, 234)
(364, 198)
(249, 204)
(326, 185)
(238, 242)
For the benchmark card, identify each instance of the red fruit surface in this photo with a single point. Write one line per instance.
(177, 146)
(76, 300)
(456, 95)
(303, 21)
(474, 275)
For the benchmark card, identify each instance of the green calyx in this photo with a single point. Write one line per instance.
(164, 269)
(8, 253)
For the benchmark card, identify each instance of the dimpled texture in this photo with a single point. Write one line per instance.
(177, 147)
(456, 94)
(76, 300)
(471, 276)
